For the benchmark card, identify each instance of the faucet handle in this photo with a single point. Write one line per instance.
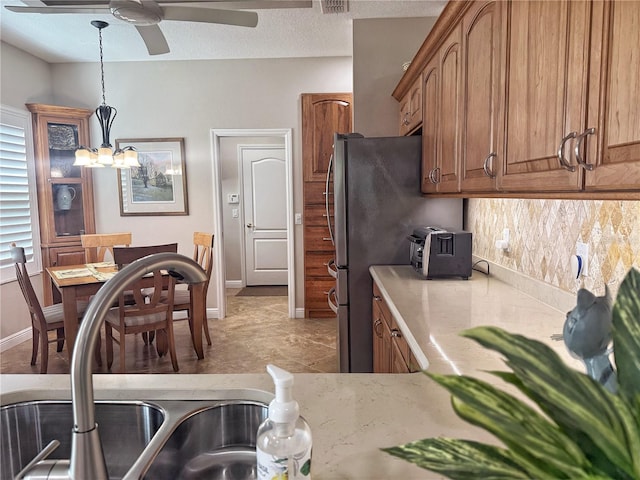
(44, 453)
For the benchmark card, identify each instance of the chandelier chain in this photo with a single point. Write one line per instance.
(104, 101)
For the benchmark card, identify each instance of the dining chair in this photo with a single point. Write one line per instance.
(97, 245)
(151, 310)
(43, 319)
(183, 298)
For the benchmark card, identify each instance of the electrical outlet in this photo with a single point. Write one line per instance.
(582, 250)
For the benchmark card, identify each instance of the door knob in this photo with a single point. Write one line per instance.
(249, 225)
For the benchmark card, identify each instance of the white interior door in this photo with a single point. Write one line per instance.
(265, 214)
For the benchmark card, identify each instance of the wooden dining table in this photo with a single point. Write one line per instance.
(75, 282)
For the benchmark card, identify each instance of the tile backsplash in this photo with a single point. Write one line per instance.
(543, 236)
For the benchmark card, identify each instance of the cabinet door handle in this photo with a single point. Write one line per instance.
(563, 161)
(405, 120)
(377, 298)
(377, 327)
(432, 175)
(488, 171)
(576, 150)
(396, 333)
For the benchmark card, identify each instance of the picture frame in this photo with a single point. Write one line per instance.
(159, 185)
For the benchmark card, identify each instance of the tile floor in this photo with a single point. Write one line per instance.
(255, 332)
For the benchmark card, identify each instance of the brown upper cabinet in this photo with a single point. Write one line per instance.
(535, 98)
(411, 109)
(612, 152)
(481, 78)
(546, 45)
(442, 114)
(323, 115)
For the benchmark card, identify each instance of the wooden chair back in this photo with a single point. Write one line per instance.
(96, 245)
(126, 255)
(203, 252)
(22, 275)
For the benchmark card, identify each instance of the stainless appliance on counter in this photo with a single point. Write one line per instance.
(373, 185)
(441, 252)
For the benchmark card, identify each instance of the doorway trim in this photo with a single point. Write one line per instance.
(216, 135)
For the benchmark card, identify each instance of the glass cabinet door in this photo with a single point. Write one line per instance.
(66, 180)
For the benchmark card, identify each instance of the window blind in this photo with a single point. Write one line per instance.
(18, 204)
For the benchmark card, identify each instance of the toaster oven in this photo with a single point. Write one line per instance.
(438, 253)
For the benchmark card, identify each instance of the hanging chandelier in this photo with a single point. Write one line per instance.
(105, 155)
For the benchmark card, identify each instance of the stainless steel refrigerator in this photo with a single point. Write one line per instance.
(373, 185)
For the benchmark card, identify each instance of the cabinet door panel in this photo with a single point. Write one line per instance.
(547, 45)
(614, 148)
(481, 86)
(322, 116)
(430, 121)
(450, 113)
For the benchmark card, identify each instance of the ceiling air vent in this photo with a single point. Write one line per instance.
(335, 6)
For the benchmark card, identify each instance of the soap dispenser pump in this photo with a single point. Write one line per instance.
(284, 441)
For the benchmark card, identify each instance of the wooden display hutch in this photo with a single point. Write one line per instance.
(65, 192)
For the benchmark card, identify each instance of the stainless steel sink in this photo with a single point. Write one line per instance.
(26, 428)
(150, 439)
(212, 443)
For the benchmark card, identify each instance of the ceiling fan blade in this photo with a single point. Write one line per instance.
(259, 4)
(19, 9)
(153, 39)
(209, 15)
(245, 4)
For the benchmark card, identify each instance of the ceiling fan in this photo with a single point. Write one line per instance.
(145, 15)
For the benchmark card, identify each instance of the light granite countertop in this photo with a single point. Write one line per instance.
(352, 416)
(431, 313)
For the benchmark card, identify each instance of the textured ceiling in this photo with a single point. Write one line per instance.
(300, 32)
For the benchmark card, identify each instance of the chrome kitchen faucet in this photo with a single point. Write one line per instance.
(87, 458)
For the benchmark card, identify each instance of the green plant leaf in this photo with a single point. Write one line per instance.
(538, 446)
(460, 459)
(626, 335)
(626, 340)
(581, 407)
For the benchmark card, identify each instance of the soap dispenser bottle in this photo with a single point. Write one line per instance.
(283, 447)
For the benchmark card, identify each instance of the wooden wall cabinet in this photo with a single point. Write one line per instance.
(323, 114)
(614, 99)
(481, 66)
(546, 93)
(65, 192)
(411, 109)
(547, 102)
(391, 352)
(442, 117)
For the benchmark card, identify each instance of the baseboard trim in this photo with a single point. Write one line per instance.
(15, 339)
(233, 284)
(299, 312)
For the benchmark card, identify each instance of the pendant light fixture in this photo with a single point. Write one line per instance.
(105, 155)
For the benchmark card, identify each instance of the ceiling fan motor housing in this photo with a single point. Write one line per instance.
(137, 13)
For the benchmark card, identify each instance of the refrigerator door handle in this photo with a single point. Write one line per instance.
(326, 199)
(332, 269)
(332, 305)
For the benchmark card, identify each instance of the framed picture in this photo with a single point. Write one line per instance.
(159, 185)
